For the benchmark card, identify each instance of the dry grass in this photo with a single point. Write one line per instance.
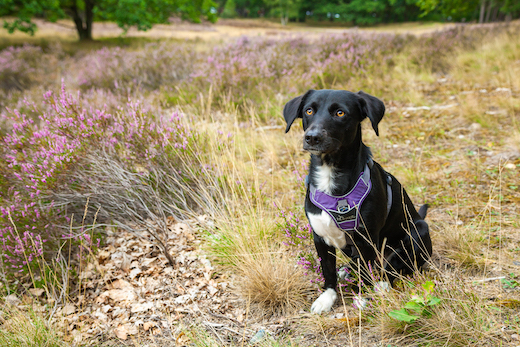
(461, 318)
(271, 283)
(19, 328)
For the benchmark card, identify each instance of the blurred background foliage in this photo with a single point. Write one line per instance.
(144, 14)
(361, 12)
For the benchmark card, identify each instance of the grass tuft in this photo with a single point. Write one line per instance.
(458, 317)
(18, 328)
(272, 283)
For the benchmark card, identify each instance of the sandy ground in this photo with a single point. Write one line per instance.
(222, 30)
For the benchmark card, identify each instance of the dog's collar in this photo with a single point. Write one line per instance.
(344, 210)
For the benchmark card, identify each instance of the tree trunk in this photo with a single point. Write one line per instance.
(89, 17)
(490, 8)
(84, 27)
(495, 14)
(482, 11)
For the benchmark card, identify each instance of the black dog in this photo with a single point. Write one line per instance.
(352, 203)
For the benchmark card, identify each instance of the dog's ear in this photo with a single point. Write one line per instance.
(293, 109)
(372, 107)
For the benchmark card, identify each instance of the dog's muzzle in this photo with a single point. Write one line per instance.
(317, 141)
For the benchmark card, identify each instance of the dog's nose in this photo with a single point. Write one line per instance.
(313, 138)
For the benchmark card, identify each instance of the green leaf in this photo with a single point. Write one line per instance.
(403, 316)
(434, 301)
(412, 305)
(418, 299)
(428, 286)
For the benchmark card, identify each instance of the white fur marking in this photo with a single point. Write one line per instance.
(382, 287)
(360, 302)
(344, 272)
(324, 226)
(324, 178)
(324, 302)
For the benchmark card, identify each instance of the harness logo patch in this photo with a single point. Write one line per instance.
(343, 206)
(351, 215)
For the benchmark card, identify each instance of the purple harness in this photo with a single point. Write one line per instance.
(344, 210)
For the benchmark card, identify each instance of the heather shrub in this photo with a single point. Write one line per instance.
(148, 68)
(432, 52)
(25, 66)
(251, 69)
(52, 167)
(256, 69)
(250, 64)
(298, 238)
(354, 59)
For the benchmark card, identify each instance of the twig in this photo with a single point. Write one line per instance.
(216, 315)
(221, 326)
(486, 279)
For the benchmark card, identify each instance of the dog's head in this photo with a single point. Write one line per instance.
(331, 117)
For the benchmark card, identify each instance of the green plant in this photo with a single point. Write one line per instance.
(511, 282)
(419, 305)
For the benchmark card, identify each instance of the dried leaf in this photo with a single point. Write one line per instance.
(69, 309)
(37, 292)
(122, 294)
(121, 332)
(149, 325)
(119, 284)
(134, 308)
(12, 300)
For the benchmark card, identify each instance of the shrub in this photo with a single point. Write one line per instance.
(52, 167)
(117, 68)
(25, 66)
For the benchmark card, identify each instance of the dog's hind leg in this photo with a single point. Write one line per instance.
(414, 251)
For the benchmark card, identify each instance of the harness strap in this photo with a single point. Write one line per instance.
(388, 194)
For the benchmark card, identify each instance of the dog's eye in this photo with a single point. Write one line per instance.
(309, 111)
(340, 113)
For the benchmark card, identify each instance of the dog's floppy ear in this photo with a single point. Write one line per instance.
(293, 109)
(372, 107)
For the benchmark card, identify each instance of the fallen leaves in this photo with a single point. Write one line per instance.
(131, 289)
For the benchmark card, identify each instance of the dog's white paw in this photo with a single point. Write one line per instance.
(344, 272)
(324, 302)
(382, 287)
(360, 302)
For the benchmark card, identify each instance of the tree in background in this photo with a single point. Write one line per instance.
(361, 12)
(369, 12)
(244, 8)
(142, 14)
(229, 10)
(484, 11)
(284, 9)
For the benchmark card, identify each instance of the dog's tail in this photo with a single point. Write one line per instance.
(423, 211)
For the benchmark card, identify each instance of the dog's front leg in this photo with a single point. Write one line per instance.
(327, 256)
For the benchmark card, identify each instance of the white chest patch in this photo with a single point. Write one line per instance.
(324, 178)
(324, 226)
